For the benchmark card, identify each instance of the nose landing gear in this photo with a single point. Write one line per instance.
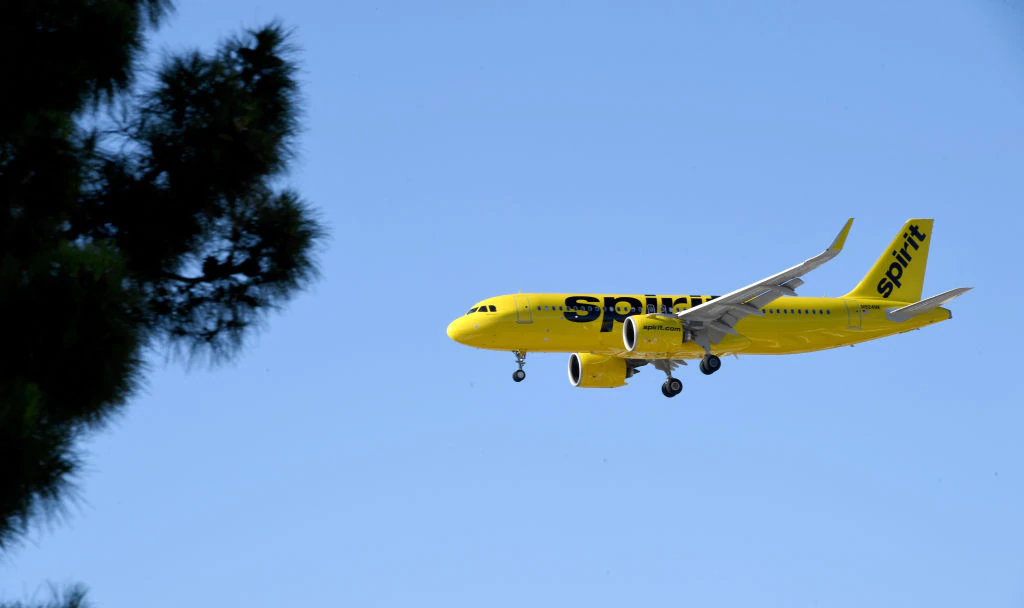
(519, 375)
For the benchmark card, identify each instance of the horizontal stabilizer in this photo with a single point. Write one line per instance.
(902, 314)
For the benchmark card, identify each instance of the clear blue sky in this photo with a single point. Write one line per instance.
(355, 456)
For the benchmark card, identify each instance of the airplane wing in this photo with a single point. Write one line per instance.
(667, 365)
(713, 320)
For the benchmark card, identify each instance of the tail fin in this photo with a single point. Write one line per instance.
(899, 274)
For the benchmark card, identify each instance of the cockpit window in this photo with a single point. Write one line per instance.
(492, 308)
(471, 311)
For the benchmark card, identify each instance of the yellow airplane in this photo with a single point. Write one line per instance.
(611, 336)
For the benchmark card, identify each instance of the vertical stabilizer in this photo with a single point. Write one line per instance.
(898, 275)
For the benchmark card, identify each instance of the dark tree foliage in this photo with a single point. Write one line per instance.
(133, 215)
(73, 596)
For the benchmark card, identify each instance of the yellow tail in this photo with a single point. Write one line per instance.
(899, 274)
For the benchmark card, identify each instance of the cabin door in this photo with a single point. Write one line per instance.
(853, 314)
(523, 312)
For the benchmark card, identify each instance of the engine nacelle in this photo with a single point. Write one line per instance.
(598, 371)
(653, 333)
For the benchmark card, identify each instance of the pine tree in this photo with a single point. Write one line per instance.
(135, 215)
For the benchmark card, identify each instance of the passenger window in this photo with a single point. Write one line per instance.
(492, 308)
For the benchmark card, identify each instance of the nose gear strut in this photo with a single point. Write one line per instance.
(519, 375)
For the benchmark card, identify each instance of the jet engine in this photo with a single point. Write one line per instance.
(653, 333)
(598, 371)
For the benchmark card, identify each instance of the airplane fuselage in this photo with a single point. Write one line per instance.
(593, 323)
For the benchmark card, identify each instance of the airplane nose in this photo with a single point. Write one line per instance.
(457, 330)
(463, 330)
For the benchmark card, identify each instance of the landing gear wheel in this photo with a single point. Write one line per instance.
(710, 364)
(671, 387)
(519, 375)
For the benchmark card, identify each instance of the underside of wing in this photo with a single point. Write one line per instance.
(667, 365)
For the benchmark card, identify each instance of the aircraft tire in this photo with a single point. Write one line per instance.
(519, 375)
(674, 385)
(713, 363)
(710, 364)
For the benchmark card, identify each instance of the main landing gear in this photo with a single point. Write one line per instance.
(519, 375)
(710, 364)
(671, 387)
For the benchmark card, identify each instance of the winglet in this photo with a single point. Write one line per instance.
(840, 240)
